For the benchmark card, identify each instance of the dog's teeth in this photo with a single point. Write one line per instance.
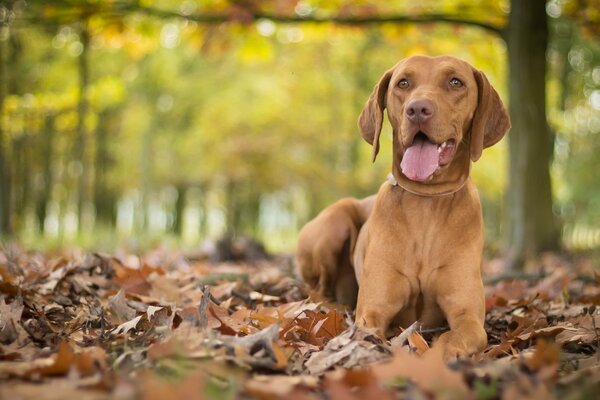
(443, 146)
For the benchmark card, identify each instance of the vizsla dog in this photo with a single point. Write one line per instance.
(326, 245)
(418, 255)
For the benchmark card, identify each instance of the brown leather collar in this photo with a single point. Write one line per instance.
(450, 181)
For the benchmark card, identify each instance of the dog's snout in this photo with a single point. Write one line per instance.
(419, 110)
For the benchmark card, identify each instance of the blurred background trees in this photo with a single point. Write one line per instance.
(192, 119)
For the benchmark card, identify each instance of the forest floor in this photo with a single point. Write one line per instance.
(166, 325)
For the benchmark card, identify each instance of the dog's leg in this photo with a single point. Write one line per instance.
(346, 288)
(382, 294)
(324, 286)
(462, 301)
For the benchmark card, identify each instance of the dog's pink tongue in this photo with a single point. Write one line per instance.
(420, 160)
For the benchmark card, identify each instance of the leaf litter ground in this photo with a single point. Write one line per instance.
(162, 325)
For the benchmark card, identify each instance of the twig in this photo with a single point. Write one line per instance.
(530, 278)
(241, 295)
(202, 308)
(403, 337)
(523, 305)
(435, 330)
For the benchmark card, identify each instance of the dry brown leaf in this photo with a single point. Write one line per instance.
(418, 343)
(545, 359)
(86, 361)
(355, 384)
(118, 305)
(429, 372)
(127, 326)
(10, 323)
(278, 386)
(56, 389)
(155, 387)
(130, 280)
(349, 349)
(582, 329)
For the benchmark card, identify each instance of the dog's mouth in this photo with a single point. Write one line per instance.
(424, 157)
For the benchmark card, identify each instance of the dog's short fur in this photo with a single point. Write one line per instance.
(325, 246)
(418, 256)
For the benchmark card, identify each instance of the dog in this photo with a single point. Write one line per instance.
(325, 248)
(418, 255)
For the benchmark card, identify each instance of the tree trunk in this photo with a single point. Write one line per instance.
(249, 225)
(45, 155)
(533, 226)
(82, 110)
(21, 177)
(104, 196)
(179, 209)
(146, 183)
(5, 181)
(203, 205)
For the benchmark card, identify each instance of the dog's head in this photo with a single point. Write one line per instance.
(435, 105)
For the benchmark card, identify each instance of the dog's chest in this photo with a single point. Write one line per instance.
(424, 233)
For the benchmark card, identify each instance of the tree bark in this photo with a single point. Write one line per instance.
(179, 209)
(232, 212)
(82, 110)
(104, 196)
(45, 154)
(5, 181)
(21, 176)
(533, 226)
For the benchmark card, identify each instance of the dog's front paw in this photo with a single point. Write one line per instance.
(371, 321)
(452, 346)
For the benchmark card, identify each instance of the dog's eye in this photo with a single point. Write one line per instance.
(403, 84)
(455, 82)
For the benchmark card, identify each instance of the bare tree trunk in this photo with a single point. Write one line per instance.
(21, 176)
(45, 155)
(203, 205)
(179, 209)
(232, 212)
(146, 182)
(5, 181)
(251, 211)
(532, 222)
(104, 197)
(82, 111)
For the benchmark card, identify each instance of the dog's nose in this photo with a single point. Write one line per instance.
(419, 110)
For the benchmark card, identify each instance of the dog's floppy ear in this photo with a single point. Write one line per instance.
(490, 121)
(371, 117)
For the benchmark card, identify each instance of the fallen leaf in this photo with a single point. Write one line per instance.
(127, 326)
(278, 386)
(429, 372)
(118, 305)
(10, 323)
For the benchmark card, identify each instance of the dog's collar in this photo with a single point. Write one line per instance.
(392, 181)
(443, 185)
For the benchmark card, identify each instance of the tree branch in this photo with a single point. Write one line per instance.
(247, 16)
(342, 20)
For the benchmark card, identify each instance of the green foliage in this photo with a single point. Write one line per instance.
(258, 117)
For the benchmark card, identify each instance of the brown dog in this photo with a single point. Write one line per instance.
(326, 245)
(419, 255)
